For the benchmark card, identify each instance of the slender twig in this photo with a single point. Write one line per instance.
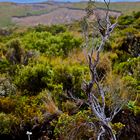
(98, 107)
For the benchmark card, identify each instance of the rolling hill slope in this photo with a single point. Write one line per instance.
(20, 14)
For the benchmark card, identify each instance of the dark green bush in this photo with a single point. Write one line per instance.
(4, 65)
(52, 45)
(130, 72)
(7, 121)
(32, 79)
(54, 29)
(15, 52)
(71, 77)
(126, 20)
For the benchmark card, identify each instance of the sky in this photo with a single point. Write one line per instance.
(33, 1)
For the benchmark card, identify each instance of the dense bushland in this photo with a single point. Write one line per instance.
(42, 70)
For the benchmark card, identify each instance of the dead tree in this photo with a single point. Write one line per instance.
(97, 101)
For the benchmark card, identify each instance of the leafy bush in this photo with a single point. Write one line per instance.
(117, 127)
(132, 105)
(129, 19)
(32, 79)
(75, 127)
(7, 104)
(131, 74)
(26, 109)
(15, 53)
(126, 20)
(71, 77)
(136, 14)
(4, 65)
(7, 88)
(54, 29)
(129, 67)
(52, 45)
(7, 121)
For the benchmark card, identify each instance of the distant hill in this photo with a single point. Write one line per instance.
(125, 0)
(38, 1)
(10, 11)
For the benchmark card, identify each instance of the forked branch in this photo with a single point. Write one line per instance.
(93, 88)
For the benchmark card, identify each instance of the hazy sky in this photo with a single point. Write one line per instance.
(32, 1)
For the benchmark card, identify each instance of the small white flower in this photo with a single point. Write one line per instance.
(29, 133)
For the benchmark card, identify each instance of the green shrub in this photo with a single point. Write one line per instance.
(136, 14)
(117, 127)
(27, 108)
(6, 123)
(131, 74)
(132, 105)
(126, 20)
(15, 52)
(54, 29)
(71, 78)
(75, 127)
(4, 65)
(52, 45)
(7, 88)
(7, 105)
(32, 79)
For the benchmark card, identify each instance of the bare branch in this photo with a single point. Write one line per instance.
(101, 132)
(97, 101)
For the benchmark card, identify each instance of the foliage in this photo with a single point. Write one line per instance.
(71, 77)
(31, 79)
(41, 67)
(7, 121)
(7, 104)
(129, 19)
(74, 127)
(130, 72)
(4, 65)
(7, 88)
(117, 127)
(125, 42)
(54, 29)
(26, 109)
(128, 44)
(52, 45)
(15, 52)
(134, 107)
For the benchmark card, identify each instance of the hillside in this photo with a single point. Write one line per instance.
(124, 7)
(45, 13)
(9, 10)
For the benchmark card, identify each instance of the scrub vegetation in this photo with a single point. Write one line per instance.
(42, 72)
